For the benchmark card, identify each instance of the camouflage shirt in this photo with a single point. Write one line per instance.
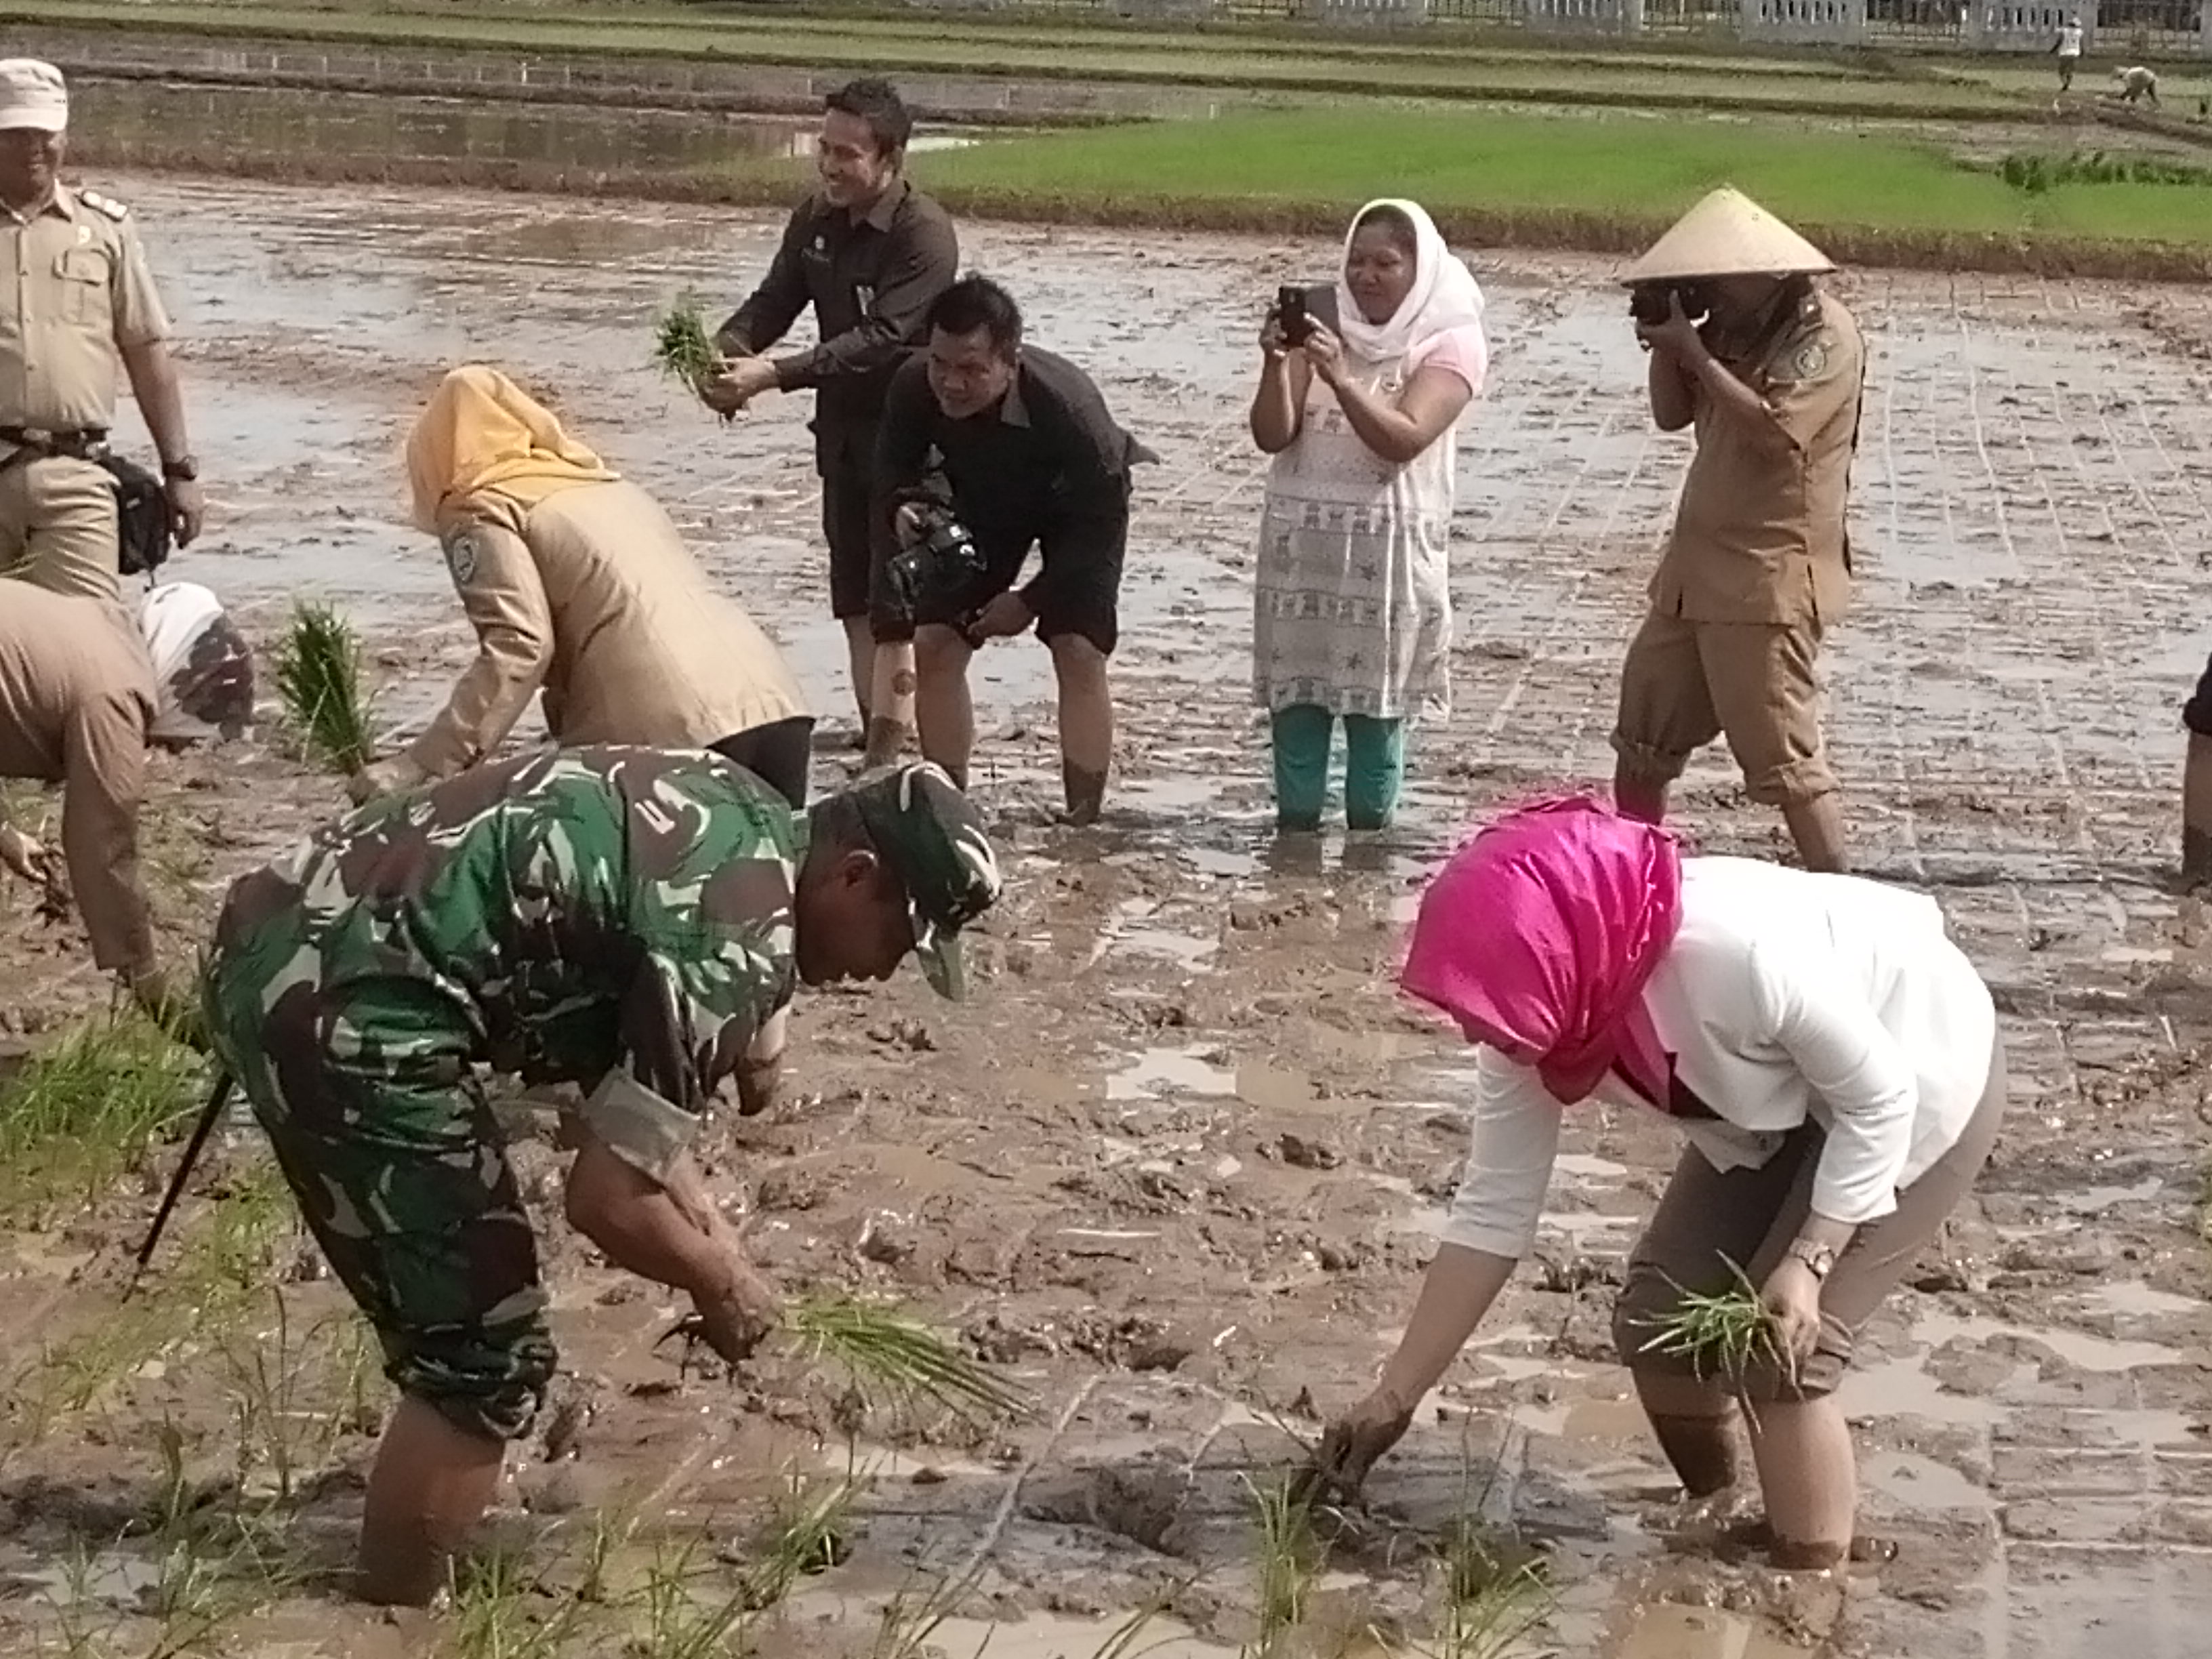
(616, 916)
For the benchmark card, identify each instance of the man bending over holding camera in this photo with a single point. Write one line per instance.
(1027, 454)
(1769, 369)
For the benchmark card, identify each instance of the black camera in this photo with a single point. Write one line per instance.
(936, 562)
(1652, 303)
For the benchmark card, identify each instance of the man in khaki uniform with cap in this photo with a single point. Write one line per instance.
(1758, 566)
(82, 300)
(76, 700)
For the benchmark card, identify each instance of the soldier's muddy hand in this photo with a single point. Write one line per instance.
(738, 1312)
(380, 778)
(22, 855)
(738, 384)
(1355, 1442)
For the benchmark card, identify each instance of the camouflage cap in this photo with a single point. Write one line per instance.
(932, 836)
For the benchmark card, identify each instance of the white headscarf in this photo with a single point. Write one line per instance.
(1444, 295)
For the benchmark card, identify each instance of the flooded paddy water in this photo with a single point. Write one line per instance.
(1175, 1166)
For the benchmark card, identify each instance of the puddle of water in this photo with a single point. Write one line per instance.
(1048, 1635)
(889, 1463)
(1669, 1632)
(1902, 1388)
(116, 1580)
(2133, 1297)
(1171, 1071)
(1222, 861)
(2092, 1199)
(1587, 1168)
(2091, 1353)
(1274, 1088)
(1605, 1420)
(1922, 1482)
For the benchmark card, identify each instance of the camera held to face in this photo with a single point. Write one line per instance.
(937, 561)
(1652, 303)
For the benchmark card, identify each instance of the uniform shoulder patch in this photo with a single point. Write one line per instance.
(107, 204)
(461, 556)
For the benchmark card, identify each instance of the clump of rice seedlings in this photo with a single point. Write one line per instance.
(809, 1531)
(678, 1622)
(1489, 1603)
(319, 680)
(682, 347)
(888, 1353)
(88, 1107)
(1722, 1334)
(1290, 1563)
(911, 1617)
(211, 1579)
(495, 1612)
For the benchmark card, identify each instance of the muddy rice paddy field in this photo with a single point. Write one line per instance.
(1177, 1166)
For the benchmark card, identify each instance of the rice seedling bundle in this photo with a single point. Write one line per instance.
(887, 1352)
(318, 677)
(683, 348)
(1723, 1333)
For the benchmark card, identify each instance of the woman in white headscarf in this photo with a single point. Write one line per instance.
(1352, 611)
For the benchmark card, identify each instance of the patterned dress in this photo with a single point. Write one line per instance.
(1352, 606)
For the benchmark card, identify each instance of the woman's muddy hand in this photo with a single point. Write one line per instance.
(1792, 1295)
(1355, 1442)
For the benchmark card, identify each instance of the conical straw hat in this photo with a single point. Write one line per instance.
(1728, 234)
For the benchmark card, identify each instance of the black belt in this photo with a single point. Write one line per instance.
(82, 443)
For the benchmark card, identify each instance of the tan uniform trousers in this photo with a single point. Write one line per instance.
(1686, 683)
(1707, 1219)
(57, 526)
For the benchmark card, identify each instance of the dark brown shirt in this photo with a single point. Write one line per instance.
(871, 281)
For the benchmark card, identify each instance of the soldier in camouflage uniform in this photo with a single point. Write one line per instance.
(621, 918)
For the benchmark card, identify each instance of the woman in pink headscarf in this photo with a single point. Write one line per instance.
(1831, 1057)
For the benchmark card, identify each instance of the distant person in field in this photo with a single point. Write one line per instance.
(2068, 46)
(1351, 611)
(2136, 83)
(870, 253)
(1758, 566)
(2197, 787)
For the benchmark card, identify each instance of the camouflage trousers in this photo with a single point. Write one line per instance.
(401, 1173)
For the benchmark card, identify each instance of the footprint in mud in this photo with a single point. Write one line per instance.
(1144, 1505)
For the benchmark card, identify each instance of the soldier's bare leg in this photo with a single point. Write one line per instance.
(943, 712)
(2196, 812)
(429, 1490)
(1086, 725)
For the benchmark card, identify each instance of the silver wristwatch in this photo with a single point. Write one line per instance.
(1819, 1259)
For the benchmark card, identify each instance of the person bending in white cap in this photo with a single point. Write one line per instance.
(84, 299)
(1758, 564)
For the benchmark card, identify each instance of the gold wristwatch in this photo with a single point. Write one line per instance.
(1819, 1259)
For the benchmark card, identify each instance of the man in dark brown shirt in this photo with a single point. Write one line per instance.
(870, 253)
(76, 698)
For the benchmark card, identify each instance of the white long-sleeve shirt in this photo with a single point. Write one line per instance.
(1784, 995)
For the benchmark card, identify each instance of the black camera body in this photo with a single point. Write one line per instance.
(936, 563)
(1652, 303)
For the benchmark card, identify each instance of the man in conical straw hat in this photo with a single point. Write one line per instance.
(1768, 369)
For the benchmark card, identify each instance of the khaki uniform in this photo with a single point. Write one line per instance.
(78, 291)
(76, 698)
(1759, 565)
(592, 596)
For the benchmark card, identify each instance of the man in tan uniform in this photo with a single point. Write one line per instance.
(76, 698)
(1758, 564)
(82, 300)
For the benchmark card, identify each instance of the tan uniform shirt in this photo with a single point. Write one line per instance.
(78, 290)
(592, 596)
(76, 698)
(1759, 534)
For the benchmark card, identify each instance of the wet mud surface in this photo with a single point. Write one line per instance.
(1177, 1167)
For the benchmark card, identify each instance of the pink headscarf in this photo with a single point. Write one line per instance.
(1540, 934)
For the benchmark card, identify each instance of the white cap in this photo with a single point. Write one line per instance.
(1728, 234)
(32, 94)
